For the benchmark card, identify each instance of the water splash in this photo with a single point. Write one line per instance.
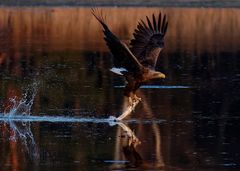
(24, 105)
(22, 130)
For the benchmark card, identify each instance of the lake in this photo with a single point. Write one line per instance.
(56, 61)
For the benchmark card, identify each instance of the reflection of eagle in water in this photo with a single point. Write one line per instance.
(137, 63)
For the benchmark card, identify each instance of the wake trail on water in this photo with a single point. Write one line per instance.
(158, 87)
(60, 119)
(20, 111)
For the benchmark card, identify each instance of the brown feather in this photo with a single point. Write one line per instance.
(121, 53)
(148, 40)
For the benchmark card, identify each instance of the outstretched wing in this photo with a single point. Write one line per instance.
(122, 55)
(148, 40)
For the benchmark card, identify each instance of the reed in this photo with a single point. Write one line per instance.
(195, 29)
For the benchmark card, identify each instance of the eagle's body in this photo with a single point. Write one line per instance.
(135, 80)
(137, 63)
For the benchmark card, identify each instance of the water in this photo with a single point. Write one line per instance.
(57, 93)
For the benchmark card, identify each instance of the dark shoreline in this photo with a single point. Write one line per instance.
(125, 4)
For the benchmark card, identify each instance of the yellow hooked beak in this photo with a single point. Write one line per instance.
(161, 75)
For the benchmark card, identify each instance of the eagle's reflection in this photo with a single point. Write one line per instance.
(128, 146)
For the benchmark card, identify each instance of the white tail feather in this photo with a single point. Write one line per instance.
(118, 71)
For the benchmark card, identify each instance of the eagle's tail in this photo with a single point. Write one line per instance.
(118, 71)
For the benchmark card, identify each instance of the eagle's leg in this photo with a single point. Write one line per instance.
(134, 96)
(130, 101)
(130, 90)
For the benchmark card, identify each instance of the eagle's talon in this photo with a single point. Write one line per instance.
(136, 98)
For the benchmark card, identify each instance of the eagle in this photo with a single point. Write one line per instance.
(137, 63)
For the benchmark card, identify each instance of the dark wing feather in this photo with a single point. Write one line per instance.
(122, 55)
(149, 40)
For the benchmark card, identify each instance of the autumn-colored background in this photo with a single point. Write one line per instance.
(75, 28)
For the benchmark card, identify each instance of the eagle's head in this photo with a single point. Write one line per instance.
(156, 75)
